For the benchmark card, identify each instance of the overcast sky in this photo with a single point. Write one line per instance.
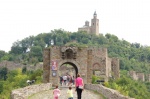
(127, 19)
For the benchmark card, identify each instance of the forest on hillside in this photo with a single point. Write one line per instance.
(133, 56)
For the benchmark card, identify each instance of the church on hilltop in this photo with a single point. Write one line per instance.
(94, 28)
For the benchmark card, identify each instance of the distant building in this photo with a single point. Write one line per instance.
(149, 77)
(137, 75)
(133, 74)
(141, 76)
(94, 28)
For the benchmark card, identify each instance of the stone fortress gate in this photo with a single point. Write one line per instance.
(87, 61)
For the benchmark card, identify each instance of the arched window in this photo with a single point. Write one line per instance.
(69, 54)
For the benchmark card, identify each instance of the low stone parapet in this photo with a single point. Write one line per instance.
(107, 92)
(23, 93)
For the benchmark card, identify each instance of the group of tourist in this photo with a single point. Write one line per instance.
(30, 82)
(67, 80)
(79, 88)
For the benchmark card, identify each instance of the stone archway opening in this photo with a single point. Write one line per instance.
(70, 70)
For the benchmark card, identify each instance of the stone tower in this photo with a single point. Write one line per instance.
(95, 24)
(94, 28)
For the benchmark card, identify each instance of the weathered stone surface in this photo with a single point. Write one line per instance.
(107, 92)
(45, 92)
(13, 66)
(86, 61)
(139, 76)
(115, 67)
(86, 94)
(23, 93)
(46, 65)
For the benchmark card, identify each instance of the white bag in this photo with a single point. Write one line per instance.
(80, 87)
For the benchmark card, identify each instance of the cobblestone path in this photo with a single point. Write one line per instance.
(87, 94)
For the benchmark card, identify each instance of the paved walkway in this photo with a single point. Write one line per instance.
(87, 94)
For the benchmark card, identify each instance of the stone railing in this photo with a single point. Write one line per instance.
(23, 93)
(107, 92)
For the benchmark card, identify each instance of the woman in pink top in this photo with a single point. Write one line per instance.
(79, 83)
(56, 92)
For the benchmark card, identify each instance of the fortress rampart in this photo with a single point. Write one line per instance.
(24, 93)
(107, 92)
(139, 76)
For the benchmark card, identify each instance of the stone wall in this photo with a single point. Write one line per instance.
(13, 65)
(46, 65)
(133, 75)
(139, 76)
(107, 92)
(85, 60)
(108, 68)
(115, 67)
(23, 93)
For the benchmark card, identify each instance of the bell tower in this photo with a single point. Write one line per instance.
(95, 24)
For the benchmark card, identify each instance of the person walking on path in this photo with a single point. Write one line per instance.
(79, 86)
(73, 79)
(65, 79)
(56, 92)
(61, 80)
(70, 93)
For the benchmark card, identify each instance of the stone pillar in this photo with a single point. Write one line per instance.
(115, 67)
(83, 59)
(108, 67)
(89, 67)
(55, 56)
(46, 65)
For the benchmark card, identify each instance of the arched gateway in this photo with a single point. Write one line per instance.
(86, 61)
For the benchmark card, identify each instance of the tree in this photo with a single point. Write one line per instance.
(1, 87)
(2, 53)
(47, 38)
(3, 73)
(16, 48)
(36, 51)
(24, 69)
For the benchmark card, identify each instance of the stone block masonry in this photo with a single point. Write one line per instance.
(107, 92)
(86, 61)
(23, 93)
(139, 76)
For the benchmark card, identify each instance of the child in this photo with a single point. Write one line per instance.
(56, 92)
(70, 93)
